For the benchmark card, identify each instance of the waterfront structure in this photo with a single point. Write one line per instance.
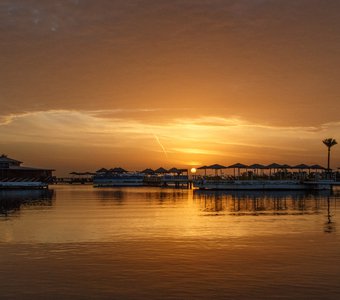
(279, 178)
(13, 175)
(117, 177)
(160, 177)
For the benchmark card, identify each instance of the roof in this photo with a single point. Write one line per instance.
(274, 166)
(28, 168)
(161, 170)
(148, 171)
(238, 166)
(216, 167)
(301, 166)
(257, 166)
(5, 158)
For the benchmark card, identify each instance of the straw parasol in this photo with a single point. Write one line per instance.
(118, 170)
(238, 166)
(161, 170)
(203, 168)
(148, 171)
(216, 167)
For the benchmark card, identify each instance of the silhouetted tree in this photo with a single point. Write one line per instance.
(330, 142)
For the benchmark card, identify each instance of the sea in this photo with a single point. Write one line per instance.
(81, 242)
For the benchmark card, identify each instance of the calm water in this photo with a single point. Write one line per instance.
(77, 242)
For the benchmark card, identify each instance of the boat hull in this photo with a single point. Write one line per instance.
(261, 185)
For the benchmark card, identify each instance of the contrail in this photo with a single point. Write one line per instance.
(158, 141)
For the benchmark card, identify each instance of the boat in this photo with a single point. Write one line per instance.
(15, 176)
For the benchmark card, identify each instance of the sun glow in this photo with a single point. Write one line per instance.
(193, 170)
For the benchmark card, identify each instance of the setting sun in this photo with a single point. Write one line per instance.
(193, 170)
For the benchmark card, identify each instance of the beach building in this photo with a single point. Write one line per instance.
(13, 175)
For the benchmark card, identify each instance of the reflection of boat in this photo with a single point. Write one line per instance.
(113, 179)
(244, 194)
(262, 184)
(260, 202)
(14, 176)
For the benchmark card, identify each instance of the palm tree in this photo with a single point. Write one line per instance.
(330, 142)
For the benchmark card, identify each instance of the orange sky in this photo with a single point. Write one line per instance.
(90, 84)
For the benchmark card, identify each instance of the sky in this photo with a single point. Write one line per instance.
(87, 84)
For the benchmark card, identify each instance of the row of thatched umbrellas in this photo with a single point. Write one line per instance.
(274, 166)
(149, 171)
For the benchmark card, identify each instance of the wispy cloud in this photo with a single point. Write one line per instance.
(206, 135)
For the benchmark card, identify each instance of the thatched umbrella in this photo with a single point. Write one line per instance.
(102, 170)
(216, 167)
(301, 167)
(161, 170)
(148, 171)
(118, 170)
(317, 167)
(257, 167)
(174, 170)
(273, 166)
(238, 166)
(203, 168)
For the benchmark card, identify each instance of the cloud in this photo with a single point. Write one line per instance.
(204, 135)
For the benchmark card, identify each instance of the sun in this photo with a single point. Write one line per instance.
(193, 170)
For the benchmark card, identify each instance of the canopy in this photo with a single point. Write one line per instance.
(118, 170)
(148, 171)
(257, 166)
(203, 168)
(238, 166)
(317, 167)
(216, 167)
(274, 166)
(161, 170)
(301, 166)
(102, 170)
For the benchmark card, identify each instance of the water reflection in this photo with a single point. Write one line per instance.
(118, 196)
(111, 196)
(329, 225)
(13, 200)
(260, 202)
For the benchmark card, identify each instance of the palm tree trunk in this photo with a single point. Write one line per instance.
(329, 155)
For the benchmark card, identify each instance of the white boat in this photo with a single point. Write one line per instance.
(262, 184)
(112, 180)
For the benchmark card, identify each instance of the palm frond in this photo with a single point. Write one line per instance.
(330, 142)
